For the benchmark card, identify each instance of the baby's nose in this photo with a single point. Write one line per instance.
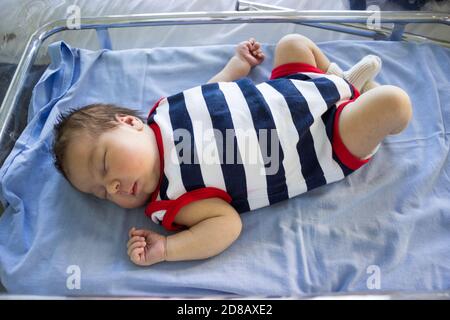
(113, 187)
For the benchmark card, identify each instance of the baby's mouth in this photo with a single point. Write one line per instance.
(134, 189)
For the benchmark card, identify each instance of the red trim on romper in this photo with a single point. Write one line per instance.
(157, 206)
(293, 68)
(172, 207)
(339, 148)
(185, 199)
(155, 106)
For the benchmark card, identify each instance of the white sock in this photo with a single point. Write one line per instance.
(369, 86)
(333, 68)
(365, 70)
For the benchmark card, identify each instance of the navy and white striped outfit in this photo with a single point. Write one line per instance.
(300, 107)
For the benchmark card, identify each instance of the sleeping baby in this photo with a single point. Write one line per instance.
(211, 152)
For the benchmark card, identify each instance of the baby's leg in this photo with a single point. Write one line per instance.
(294, 48)
(297, 48)
(364, 123)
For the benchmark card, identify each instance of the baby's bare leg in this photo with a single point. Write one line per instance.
(364, 123)
(297, 48)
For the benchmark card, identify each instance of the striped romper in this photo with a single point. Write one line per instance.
(250, 145)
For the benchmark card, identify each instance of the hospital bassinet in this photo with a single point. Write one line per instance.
(14, 112)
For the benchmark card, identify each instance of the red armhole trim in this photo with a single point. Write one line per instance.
(156, 206)
(293, 68)
(155, 106)
(199, 194)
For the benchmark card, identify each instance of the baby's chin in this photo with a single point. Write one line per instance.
(135, 203)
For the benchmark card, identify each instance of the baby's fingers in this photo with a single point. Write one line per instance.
(256, 46)
(135, 239)
(141, 232)
(136, 245)
(136, 255)
(257, 53)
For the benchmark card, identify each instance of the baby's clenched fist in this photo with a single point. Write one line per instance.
(146, 247)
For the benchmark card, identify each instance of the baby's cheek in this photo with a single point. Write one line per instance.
(126, 162)
(136, 159)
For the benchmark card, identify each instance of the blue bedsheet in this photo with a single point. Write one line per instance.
(390, 219)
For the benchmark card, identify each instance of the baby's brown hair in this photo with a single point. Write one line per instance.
(94, 119)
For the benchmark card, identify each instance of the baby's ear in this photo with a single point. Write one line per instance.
(124, 118)
(130, 121)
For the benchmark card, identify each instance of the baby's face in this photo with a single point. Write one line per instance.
(121, 165)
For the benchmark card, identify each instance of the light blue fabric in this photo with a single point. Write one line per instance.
(393, 213)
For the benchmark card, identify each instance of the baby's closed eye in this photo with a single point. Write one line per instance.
(105, 168)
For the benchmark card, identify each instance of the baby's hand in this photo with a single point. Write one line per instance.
(250, 51)
(146, 247)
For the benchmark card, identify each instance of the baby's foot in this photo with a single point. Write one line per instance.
(364, 71)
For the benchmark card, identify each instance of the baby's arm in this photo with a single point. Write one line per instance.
(213, 226)
(248, 54)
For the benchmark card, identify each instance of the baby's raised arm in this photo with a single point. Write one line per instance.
(213, 226)
(247, 55)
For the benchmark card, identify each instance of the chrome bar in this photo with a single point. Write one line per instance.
(272, 16)
(385, 32)
(249, 5)
(363, 32)
(396, 33)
